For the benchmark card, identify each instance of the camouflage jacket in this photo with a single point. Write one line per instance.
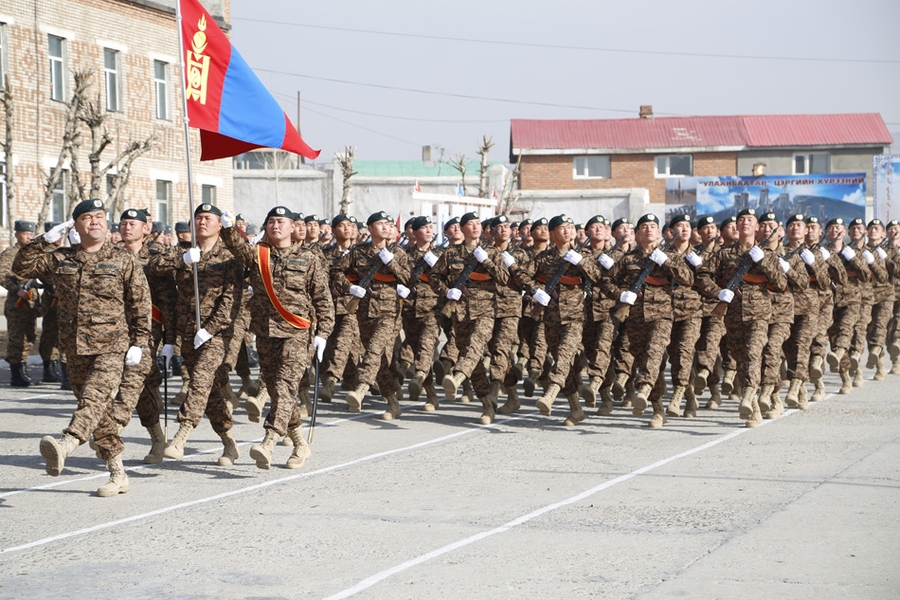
(654, 300)
(753, 296)
(104, 299)
(423, 300)
(882, 288)
(12, 283)
(332, 252)
(508, 301)
(162, 290)
(381, 300)
(567, 299)
(478, 297)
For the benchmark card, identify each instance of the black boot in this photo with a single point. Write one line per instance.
(19, 378)
(65, 384)
(51, 375)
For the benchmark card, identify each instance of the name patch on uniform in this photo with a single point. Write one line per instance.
(106, 267)
(296, 262)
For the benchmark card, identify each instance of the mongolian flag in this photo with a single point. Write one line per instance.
(226, 101)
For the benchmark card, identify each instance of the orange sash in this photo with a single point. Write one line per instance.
(156, 314)
(265, 271)
(657, 281)
(753, 278)
(479, 276)
(384, 278)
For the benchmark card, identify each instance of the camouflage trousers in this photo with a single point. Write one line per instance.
(798, 347)
(20, 329)
(235, 343)
(894, 325)
(746, 341)
(709, 346)
(422, 334)
(773, 353)
(564, 344)
(503, 340)
(844, 319)
(378, 335)
(534, 342)
(472, 336)
(95, 380)
(205, 389)
(647, 341)
(342, 351)
(876, 333)
(449, 352)
(135, 392)
(824, 317)
(685, 334)
(283, 362)
(49, 344)
(597, 339)
(622, 357)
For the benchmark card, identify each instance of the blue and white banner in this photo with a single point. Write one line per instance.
(886, 188)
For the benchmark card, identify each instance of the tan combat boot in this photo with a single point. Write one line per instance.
(451, 384)
(715, 398)
(846, 383)
(230, 399)
(489, 404)
(639, 404)
(576, 414)
(355, 398)
(326, 392)
(55, 453)
(512, 402)
(254, 388)
(254, 408)
(245, 387)
(305, 402)
(157, 445)
(301, 451)
(659, 416)
(606, 402)
(181, 396)
(415, 386)
(230, 454)
(468, 394)
(700, 378)
(393, 408)
(755, 419)
(519, 368)
(431, 397)
(819, 392)
(816, 368)
(858, 380)
(618, 386)
(765, 398)
(875, 353)
(118, 480)
(176, 448)
(590, 390)
(802, 399)
(834, 359)
(895, 366)
(777, 409)
(545, 402)
(690, 405)
(880, 370)
(728, 381)
(793, 392)
(748, 401)
(854, 361)
(262, 453)
(674, 408)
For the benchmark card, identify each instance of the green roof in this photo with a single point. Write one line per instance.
(413, 168)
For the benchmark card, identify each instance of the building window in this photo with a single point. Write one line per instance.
(2, 55)
(4, 199)
(161, 88)
(112, 79)
(57, 49)
(675, 165)
(163, 195)
(811, 164)
(591, 167)
(208, 193)
(58, 200)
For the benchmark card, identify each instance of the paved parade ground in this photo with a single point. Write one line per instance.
(435, 506)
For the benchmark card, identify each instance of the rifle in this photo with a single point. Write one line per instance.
(550, 286)
(620, 313)
(366, 281)
(738, 276)
(419, 268)
(463, 278)
(27, 287)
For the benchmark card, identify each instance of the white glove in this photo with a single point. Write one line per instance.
(573, 257)
(870, 258)
(56, 233)
(825, 253)
(508, 259)
(74, 237)
(359, 292)
(191, 256)
(255, 239)
(808, 257)
(881, 252)
(227, 219)
(542, 297)
(201, 338)
(785, 265)
(250, 289)
(454, 294)
(726, 296)
(848, 253)
(385, 255)
(133, 356)
(756, 253)
(606, 262)
(430, 258)
(659, 257)
(693, 259)
(628, 297)
(402, 290)
(319, 345)
(167, 352)
(480, 254)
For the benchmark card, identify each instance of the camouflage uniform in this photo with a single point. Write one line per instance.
(344, 348)
(104, 308)
(507, 316)
(49, 344)
(20, 314)
(835, 277)
(883, 299)
(798, 347)
(712, 330)
(686, 305)
(600, 329)
(420, 322)
(847, 302)
(781, 320)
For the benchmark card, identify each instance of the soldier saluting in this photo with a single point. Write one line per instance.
(20, 310)
(104, 321)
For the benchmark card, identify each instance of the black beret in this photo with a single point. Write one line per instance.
(525, 223)
(168, 229)
(134, 214)
(748, 212)
(208, 208)
(794, 218)
(557, 221)
(298, 216)
(311, 217)
(469, 216)
(857, 221)
(706, 220)
(379, 216)
(893, 223)
(182, 227)
(281, 211)
(158, 227)
(499, 220)
(89, 205)
(622, 221)
(114, 228)
(769, 216)
(835, 221)
(727, 220)
(648, 218)
(238, 217)
(542, 222)
(487, 223)
(323, 221)
(338, 219)
(354, 220)
(812, 219)
(48, 225)
(409, 222)
(26, 226)
(420, 222)
(682, 218)
(595, 219)
(875, 222)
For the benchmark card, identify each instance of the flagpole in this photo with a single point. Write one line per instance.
(187, 154)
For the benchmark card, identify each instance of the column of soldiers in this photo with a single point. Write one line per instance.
(744, 308)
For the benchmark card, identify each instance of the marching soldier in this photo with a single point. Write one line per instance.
(883, 297)
(534, 342)
(21, 308)
(834, 277)
(712, 327)
(857, 233)
(893, 343)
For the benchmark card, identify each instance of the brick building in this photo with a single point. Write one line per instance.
(132, 45)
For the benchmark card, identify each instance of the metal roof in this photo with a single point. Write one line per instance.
(710, 133)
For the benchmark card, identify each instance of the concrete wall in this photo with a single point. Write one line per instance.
(582, 205)
(781, 161)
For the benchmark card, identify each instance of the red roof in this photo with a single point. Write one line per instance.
(735, 132)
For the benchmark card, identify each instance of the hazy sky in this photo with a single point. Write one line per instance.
(389, 77)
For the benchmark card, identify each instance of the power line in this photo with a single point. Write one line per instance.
(387, 135)
(572, 47)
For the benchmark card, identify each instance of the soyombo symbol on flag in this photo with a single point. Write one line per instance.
(226, 101)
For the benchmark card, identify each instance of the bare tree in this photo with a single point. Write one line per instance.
(484, 149)
(122, 164)
(345, 159)
(511, 185)
(459, 163)
(6, 144)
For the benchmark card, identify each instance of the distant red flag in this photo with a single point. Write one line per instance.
(226, 101)
(418, 187)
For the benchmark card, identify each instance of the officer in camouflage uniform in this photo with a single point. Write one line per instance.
(883, 297)
(834, 277)
(449, 353)
(104, 310)
(220, 279)
(531, 331)
(877, 274)
(21, 308)
(300, 287)
(712, 327)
